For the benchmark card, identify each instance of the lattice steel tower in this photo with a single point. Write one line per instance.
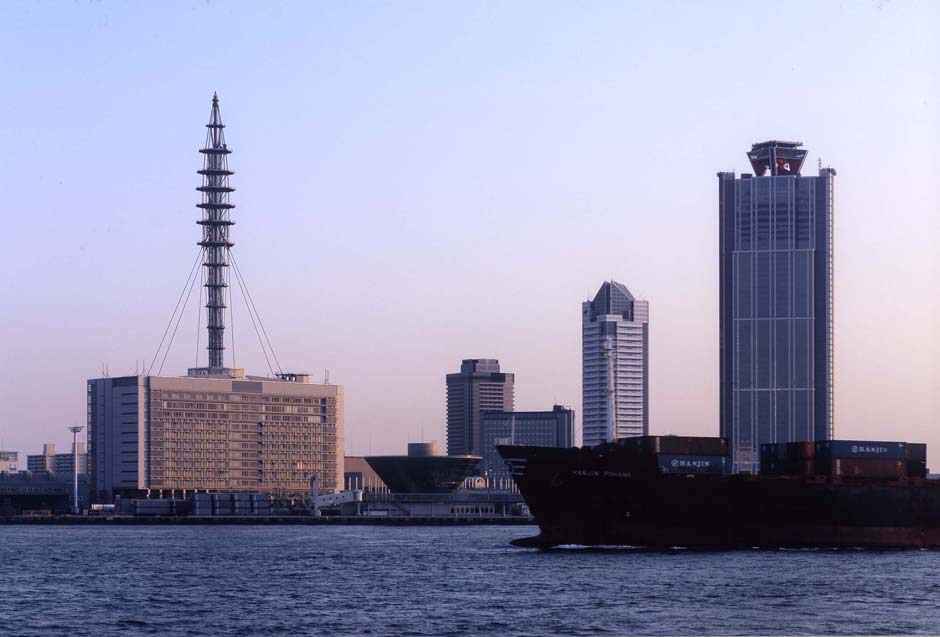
(215, 224)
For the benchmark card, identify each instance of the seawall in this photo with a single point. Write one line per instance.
(126, 520)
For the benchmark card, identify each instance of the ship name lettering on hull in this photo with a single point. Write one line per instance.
(594, 473)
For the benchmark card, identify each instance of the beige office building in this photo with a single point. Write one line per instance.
(213, 431)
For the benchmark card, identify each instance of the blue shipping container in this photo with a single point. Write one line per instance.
(862, 449)
(669, 463)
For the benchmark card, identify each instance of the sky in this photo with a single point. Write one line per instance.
(419, 183)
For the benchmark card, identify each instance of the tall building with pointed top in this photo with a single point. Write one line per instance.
(776, 302)
(615, 365)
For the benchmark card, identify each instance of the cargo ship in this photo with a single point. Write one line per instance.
(672, 491)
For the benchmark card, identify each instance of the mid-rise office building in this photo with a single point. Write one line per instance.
(221, 432)
(553, 428)
(479, 386)
(776, 302)
(615, 365)
(62, 463)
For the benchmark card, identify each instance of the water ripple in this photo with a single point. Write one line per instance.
(369, 580)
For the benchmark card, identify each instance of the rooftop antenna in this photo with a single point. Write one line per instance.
(215, 224)
(326, 376)
(215, 256)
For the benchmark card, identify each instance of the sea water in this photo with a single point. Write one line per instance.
(467, 580)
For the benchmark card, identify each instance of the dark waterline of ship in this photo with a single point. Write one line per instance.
(441, 581)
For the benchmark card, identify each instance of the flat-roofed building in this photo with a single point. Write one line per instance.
(60, 463)
(45, 461)
(8, 461)
(553, 428)
(41, 493)
(214, 431)
(479, 386)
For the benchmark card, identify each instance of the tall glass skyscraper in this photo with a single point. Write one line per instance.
(775, 302)
(614, 365)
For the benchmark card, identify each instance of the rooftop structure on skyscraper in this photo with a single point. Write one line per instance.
(780, 158)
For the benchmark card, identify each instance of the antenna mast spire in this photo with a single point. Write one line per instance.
(215, 224)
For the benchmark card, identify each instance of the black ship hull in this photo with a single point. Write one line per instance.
(606, 496)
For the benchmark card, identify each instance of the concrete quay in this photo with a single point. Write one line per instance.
(230, 520)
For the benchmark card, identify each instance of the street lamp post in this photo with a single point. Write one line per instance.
(75, 431)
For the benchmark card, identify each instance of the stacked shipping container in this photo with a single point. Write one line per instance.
(682, 454)
(916, 460)
(845, 458)
(788, 459)
(260, 504)
(160, 507)
(203, 504)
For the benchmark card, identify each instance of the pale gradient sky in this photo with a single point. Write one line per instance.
(424, 182)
